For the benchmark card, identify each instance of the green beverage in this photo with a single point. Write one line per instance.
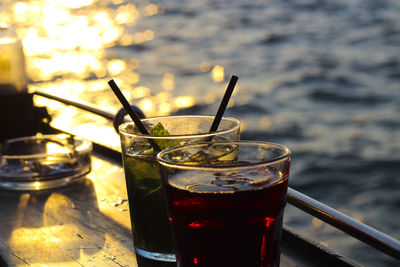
(146, 202)
(150, 225)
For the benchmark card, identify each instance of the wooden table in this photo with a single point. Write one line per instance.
(88, 224)
(84, 224)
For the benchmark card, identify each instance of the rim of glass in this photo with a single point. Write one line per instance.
(286, 153)
(180, 136)
(85, 147)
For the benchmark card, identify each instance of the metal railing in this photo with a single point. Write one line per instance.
(94, 110)
(358, 230)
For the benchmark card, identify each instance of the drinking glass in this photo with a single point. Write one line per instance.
(226, 202)
(150, 225)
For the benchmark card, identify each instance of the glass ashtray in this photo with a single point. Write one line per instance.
(43, 162)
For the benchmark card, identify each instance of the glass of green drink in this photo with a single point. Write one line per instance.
(150, 225)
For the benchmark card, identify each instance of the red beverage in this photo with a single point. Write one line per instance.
(227, 219)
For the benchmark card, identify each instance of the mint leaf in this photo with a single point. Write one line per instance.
(159, 130)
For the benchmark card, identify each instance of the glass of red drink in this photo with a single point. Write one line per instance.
(225, 202)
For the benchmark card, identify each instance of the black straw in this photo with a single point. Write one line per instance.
(224, 103)
(131, 112)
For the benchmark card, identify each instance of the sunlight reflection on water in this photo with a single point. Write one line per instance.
(65, 45)
(68, 39)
